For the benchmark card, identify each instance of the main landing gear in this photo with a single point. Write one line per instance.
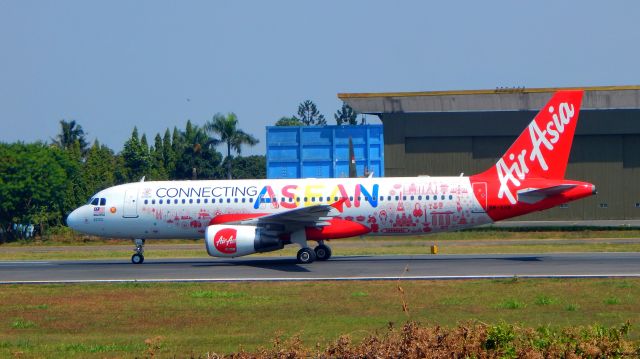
(323, 251)
(138, 257)
(307, 255)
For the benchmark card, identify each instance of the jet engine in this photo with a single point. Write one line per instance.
(236, 241)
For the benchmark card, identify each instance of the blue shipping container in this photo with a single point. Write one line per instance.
(323, 151)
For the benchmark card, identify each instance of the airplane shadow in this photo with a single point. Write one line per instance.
(282, 265)
(278, 264)
(291, 265)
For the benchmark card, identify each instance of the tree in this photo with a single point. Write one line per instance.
(98, 170)
(35, 183)
(136, 157)
(195, 154)
(309, 115)
(70, 134)
(289, 121)
(158, 171)
(168, 156)
(346, 115)
(226, 128)
(249, 167)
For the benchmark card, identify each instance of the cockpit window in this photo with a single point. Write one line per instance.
(103, 201)
(95, 201)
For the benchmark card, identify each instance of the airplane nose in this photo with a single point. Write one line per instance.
(73, 219)
(594, 190)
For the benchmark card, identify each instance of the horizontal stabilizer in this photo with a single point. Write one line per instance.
(534, 195)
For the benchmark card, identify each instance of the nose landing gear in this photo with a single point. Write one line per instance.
(138, 257)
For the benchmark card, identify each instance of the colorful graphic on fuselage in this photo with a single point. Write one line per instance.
(386, 206)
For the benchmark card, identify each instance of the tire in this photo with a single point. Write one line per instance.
(306, 256)
(323, 252)
(137, 259)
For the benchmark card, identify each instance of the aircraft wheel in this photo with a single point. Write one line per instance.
(323, 252)
(306, 256)
(137, 259)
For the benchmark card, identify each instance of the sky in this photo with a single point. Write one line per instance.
(112, 65)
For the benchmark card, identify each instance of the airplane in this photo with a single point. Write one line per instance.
(242, 217)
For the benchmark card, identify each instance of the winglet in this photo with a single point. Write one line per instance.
(339, 205)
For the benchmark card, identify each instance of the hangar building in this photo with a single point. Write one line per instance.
(445, 133)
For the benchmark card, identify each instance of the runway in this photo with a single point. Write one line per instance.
(419, 267)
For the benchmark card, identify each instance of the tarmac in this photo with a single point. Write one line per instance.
(395, 267)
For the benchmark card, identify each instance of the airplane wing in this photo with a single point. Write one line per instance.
(312, 216)
(533, 195)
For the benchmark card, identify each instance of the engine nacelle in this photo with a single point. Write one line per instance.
(236, 241)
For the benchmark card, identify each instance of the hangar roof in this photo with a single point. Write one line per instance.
(499, 99)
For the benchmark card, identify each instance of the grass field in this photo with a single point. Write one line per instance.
(195, 318)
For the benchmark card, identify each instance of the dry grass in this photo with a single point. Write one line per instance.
(470, 340)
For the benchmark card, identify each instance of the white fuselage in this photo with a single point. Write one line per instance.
(184, 209)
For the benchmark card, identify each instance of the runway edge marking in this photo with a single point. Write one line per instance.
(293, 279)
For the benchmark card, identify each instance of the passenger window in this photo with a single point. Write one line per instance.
(146, 201)
(251, 200)
(95, 201)
(183, 201)
(206, 200)
(419, 198)
(175, 201)
(153, 201)
(244, 200)
(411, 198)
(235, 200)
(103, 201)
(228, 200)
(160, 201)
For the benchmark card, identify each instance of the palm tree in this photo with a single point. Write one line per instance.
(70, 133)
(226, 128)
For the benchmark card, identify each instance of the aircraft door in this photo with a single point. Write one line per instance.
(130, 205)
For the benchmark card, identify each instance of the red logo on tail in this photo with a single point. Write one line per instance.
(542, 150)
(225, 240)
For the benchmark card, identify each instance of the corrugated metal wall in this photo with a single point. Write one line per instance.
(447, 144)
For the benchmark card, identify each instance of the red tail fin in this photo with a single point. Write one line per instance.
(542, 150)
